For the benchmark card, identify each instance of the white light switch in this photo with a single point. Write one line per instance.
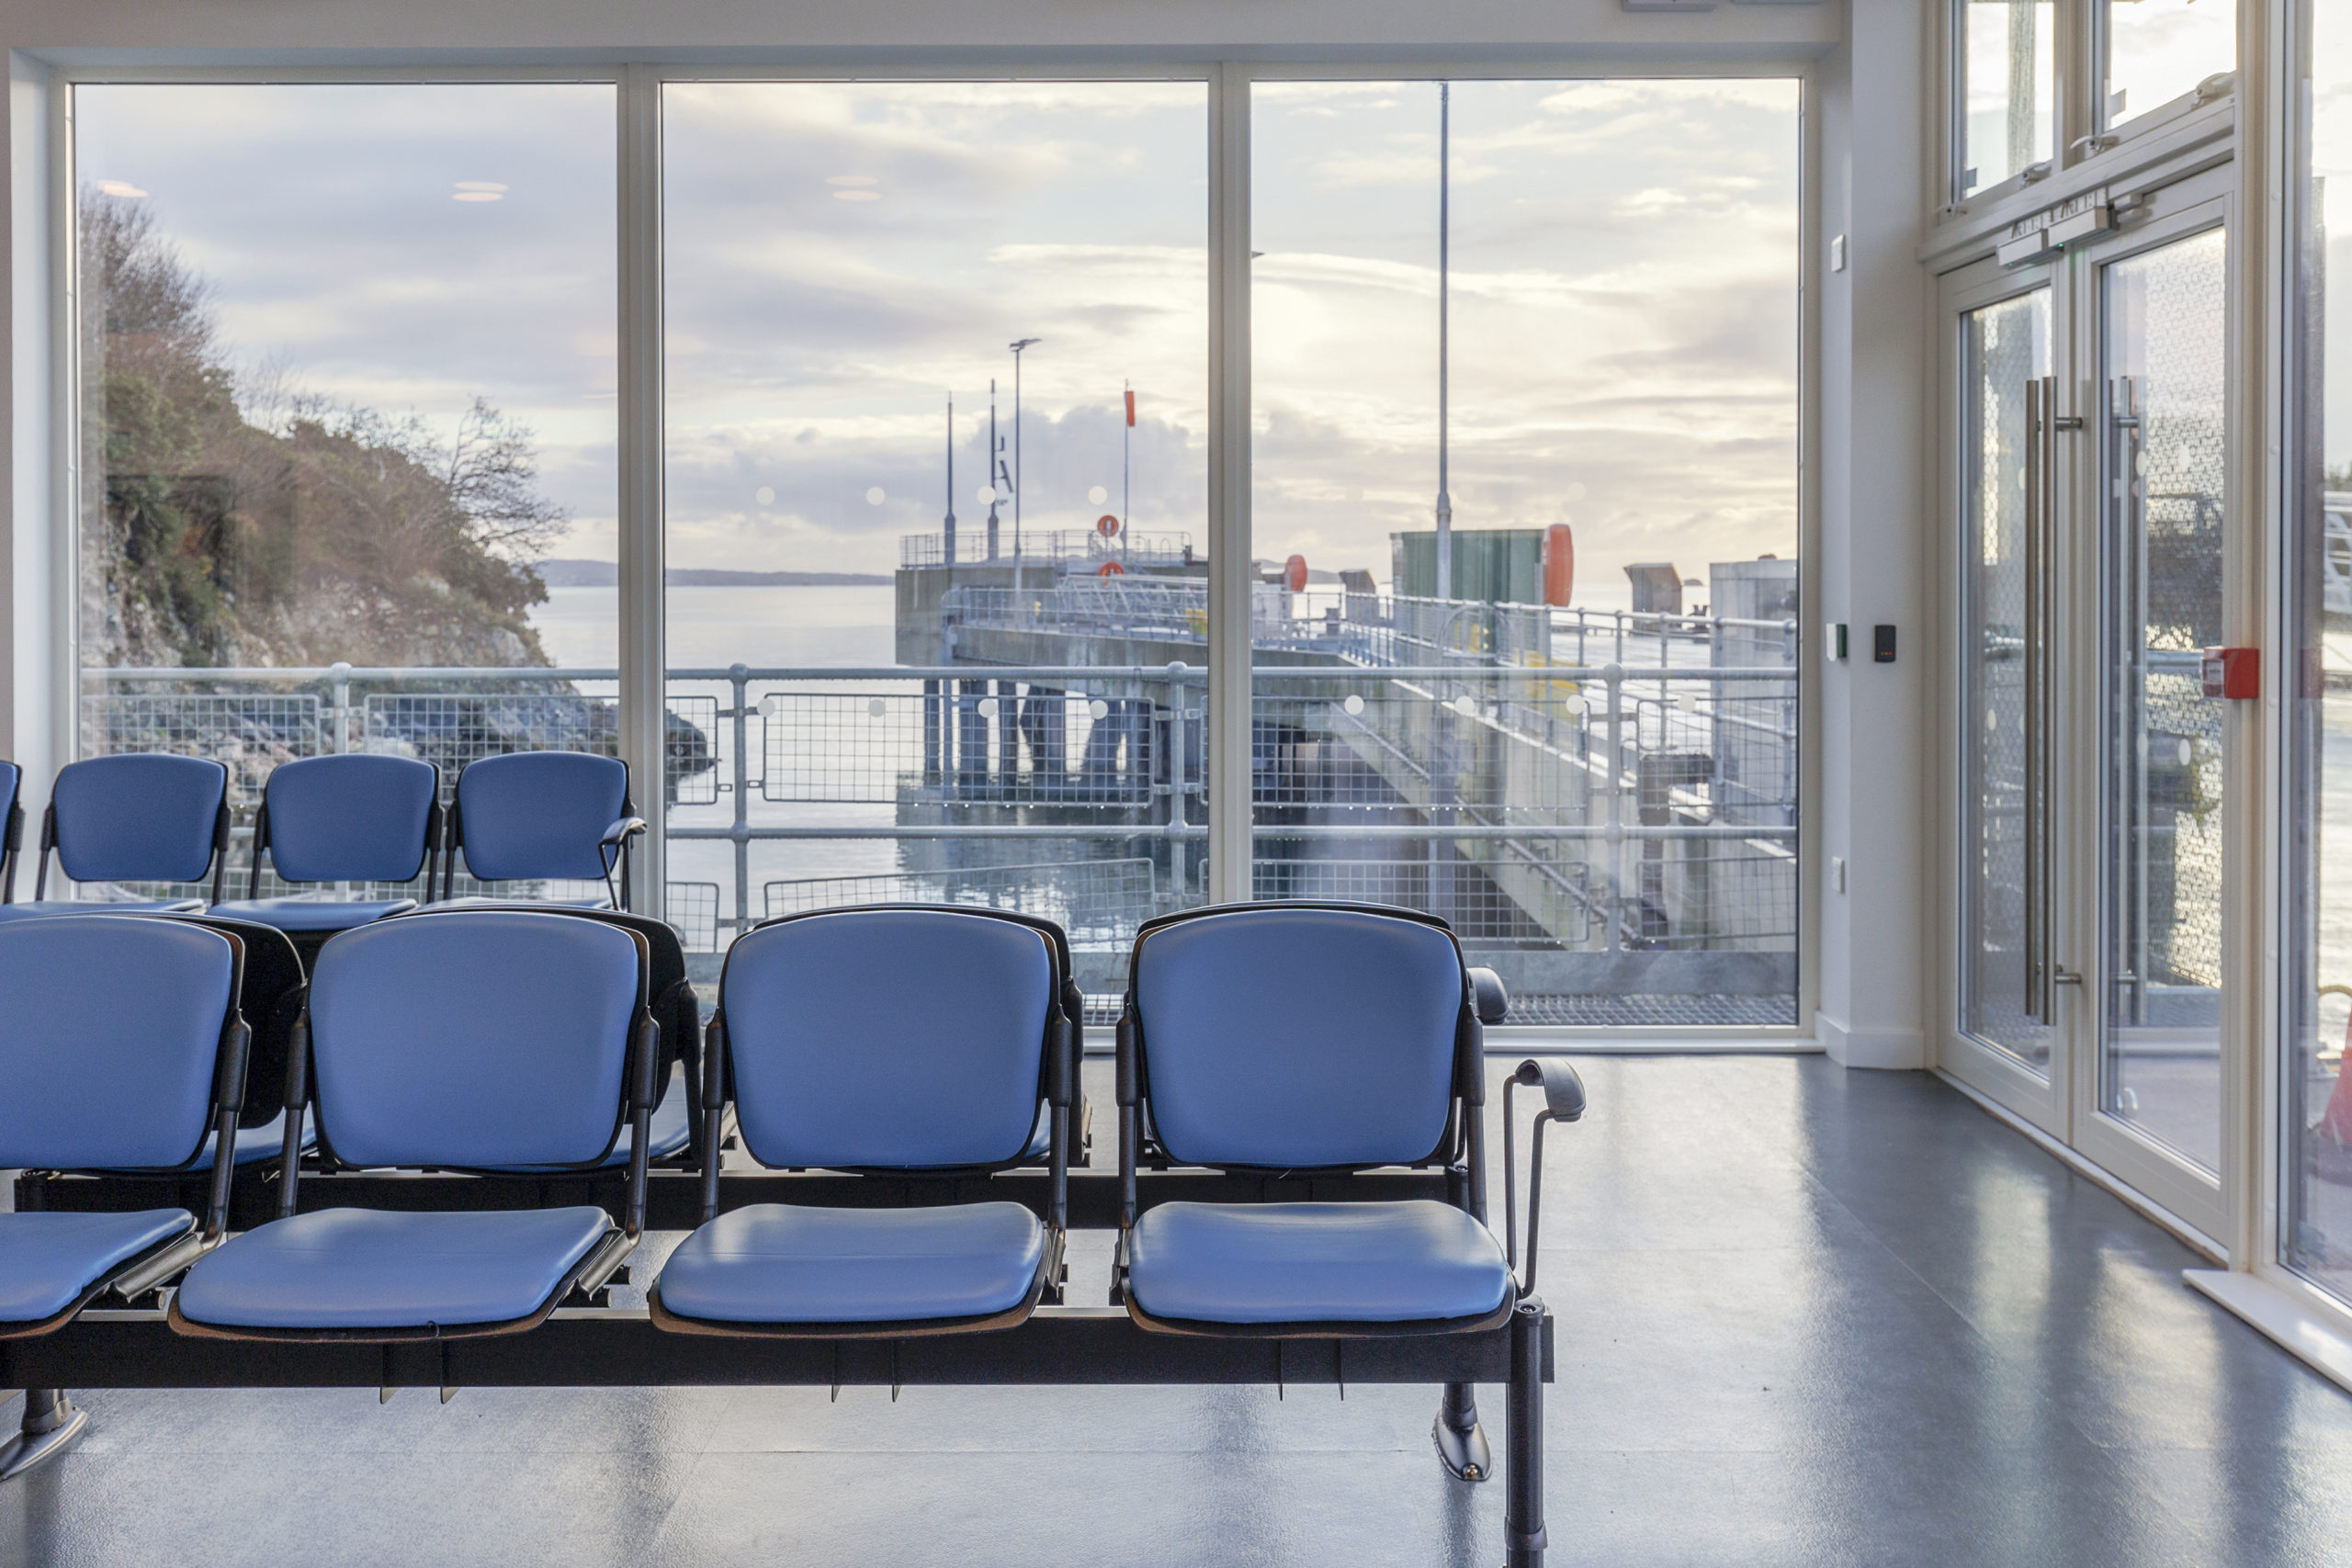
(1837, 252)
(1836, 874)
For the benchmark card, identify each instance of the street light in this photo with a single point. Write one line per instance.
(1018, 345)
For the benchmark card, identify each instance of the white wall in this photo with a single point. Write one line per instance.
(1877, 450)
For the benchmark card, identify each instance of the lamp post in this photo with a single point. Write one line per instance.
(1019, 343)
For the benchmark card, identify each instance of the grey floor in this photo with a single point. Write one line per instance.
(1804, 1317)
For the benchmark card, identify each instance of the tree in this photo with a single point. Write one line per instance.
(237, 522)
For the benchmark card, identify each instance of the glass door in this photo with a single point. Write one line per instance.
(2088, 435)
(2166, 529)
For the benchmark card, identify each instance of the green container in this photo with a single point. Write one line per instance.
(1492, 565)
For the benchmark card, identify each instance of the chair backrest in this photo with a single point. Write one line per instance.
(140, 817)
(1298, 1037)
(474, 1038)
(897, 1038)
(110, 1039)
(539, 814)
(270, 998)
(358, 818)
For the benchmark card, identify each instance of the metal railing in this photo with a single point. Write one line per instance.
(970, 547)
(1614, 809)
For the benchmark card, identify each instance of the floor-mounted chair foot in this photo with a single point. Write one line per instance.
(52, 1424)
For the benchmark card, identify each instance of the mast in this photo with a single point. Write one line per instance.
(948, 536)
(1445, 242)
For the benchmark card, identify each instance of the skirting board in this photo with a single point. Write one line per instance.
(1904, 1050)
(2285, 1321)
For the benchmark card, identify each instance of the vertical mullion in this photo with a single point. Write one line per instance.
(1228, 521)
(642, 651)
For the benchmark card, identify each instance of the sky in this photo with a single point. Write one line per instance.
(843, 258)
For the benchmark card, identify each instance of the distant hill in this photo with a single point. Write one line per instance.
(608, 574)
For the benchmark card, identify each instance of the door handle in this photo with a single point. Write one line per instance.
(2043, 425)
(2065, 978)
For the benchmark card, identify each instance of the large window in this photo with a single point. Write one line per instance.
(2006, 89)
(935, 367)
(347, 374)
(938, 358)
(1525, 520)
(2316, 1141)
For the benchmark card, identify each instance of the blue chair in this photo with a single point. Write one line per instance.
(142, 1077)
(140, 817)
(1320, 1040)
(12, 829)
(475, 1040)
(888, 1041)
(359, 818)
(1305, 1038)
(542, 816)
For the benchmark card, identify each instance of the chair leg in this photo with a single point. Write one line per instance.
(1460, 1441)
(52, 1424)
(1523, 1420)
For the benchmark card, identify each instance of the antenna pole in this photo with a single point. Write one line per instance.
(948, 537)
(1444, 258)
(1126, 439)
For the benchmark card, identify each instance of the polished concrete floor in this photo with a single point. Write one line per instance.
(1804, 1317)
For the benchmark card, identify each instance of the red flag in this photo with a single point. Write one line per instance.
(1131, 408)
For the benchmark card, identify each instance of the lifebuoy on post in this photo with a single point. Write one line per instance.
(1295, 574)
(1110, 569)
(1559, 563)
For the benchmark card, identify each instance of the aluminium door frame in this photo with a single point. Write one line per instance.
(2040, 1099)
(2199, 204)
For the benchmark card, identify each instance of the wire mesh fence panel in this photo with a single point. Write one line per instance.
(692, 908)
(252, 732)
(1097, 902)
(451, 729)
(690, 749)
(997, 742)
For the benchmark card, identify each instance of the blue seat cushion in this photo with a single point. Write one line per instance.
(780, 1263)
(307, 913)
(370, 1268)
(1315, 1263)
(48, 1259)
(265, 1142)
(93, 906)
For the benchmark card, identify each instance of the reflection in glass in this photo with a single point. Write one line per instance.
(2006, 95)
(2317, 1235)
(2159, 49)
(1609, 442)
(2005, 349)
(346, 396)
(2166, 468)
(936, 381)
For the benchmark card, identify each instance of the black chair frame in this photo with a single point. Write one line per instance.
(12, 835)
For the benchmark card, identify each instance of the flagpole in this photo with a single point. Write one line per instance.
(1127, 436)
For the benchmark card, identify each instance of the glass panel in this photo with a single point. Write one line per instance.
(2317, 1236)
(2165, 346)
(2005, 348)
(944, 675)
(346, 384)
(1558, 321)
(2158, 49)
(2006, 89)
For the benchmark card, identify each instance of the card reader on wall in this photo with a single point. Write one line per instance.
(1883, 644)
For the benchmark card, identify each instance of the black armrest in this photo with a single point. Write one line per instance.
(626, 828)
(1562, 1089)
(1487, 990)
(1564, 1101)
